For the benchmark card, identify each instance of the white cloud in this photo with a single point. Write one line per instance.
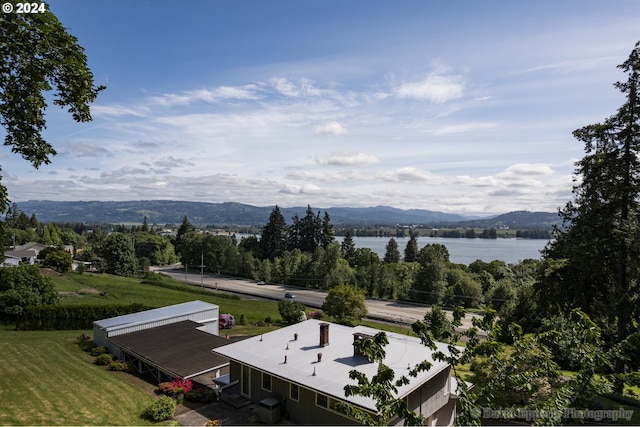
(526, 169)
(221, 93)
(85, 149)
(118, 110)
(330, 129)
(289, 88)
(464, 128)
(348, 159)
(435, 88)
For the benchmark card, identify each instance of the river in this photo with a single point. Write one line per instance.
(464, 251)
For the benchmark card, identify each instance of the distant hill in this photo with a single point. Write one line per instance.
(517, 219)
(230, 213)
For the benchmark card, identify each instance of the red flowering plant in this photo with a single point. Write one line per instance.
(176, 387)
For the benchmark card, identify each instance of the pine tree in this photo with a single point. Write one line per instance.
(594, 262)
(392, 254)
(348, 247)
(273, 238)
(328, 235)
(411, 250)
(185, 228)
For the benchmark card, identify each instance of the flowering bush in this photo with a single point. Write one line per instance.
(176, 387)
(214, 423)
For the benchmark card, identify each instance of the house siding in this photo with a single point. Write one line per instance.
(304, 411)
(431, 396)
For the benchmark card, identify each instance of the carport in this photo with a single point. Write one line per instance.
(177, 349)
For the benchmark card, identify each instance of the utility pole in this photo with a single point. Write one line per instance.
(202, 266)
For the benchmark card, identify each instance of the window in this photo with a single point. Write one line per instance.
(294, 392)
(266, 382)
(322, 400)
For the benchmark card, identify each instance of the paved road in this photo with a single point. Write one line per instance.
(392, 311)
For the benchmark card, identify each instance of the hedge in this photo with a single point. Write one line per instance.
(46, 318)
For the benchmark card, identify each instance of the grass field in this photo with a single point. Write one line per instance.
(48, 380)
(87, 289)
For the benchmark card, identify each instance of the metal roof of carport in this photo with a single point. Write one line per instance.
(155, 314)
(178, 349)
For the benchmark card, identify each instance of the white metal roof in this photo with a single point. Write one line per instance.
(156, 314)
(267, 353)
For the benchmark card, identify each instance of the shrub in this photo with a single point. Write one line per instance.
(104, 359)
(119, 365)
(97, 351)
(316, 315)
(161, 409)
(201, 395)
(243, 320)
(291, 312)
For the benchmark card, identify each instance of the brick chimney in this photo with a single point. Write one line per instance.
(357, 336)
(324, 334)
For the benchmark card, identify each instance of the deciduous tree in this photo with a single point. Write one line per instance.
(345, 303)
(22, 286)
(38, 55)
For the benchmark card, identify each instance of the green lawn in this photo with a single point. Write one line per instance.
(87, 288)
(48, 380)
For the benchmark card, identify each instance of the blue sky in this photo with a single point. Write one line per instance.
(456, 106)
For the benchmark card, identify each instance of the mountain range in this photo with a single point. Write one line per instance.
(230, 213)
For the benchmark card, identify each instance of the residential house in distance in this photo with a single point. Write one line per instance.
(28, 253)
(303, 368)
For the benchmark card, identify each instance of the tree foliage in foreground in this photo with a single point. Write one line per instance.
(509, 378)
(37, 56)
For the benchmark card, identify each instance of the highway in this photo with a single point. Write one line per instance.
(390, 311)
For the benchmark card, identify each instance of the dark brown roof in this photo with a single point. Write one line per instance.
(176, 349)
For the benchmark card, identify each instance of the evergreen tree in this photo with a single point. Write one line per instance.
(306, 234)
(392, 253)
(348, 248)
(310, 231)
(328, 235)
(33, 221)
(293, 233)
(273, 238)
(185, 228)
(411, 250)
(431, 279)
(594, 261)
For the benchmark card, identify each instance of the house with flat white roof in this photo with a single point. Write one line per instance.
(304, 368)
